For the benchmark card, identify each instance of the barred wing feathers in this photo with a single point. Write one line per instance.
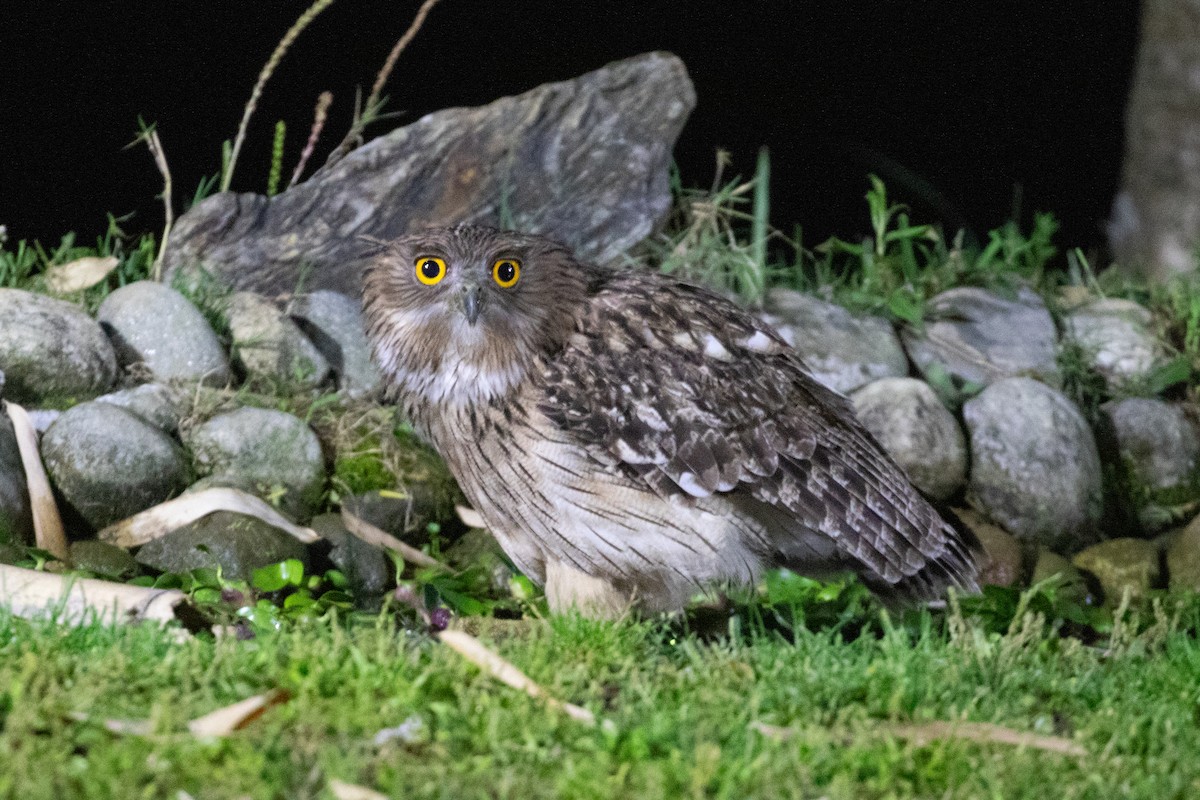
(691, 395)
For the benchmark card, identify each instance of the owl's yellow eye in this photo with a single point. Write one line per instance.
(430, 270)
(506, 272)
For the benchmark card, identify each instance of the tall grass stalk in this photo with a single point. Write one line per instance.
(370, 110)
(149, 135)
(759, 230)
(280, 49)
(320, 114)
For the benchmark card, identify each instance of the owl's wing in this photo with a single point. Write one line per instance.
(691, 395)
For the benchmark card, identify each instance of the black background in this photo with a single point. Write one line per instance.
(955, 104)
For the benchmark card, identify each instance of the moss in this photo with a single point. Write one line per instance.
(363, 472)
(373, 450)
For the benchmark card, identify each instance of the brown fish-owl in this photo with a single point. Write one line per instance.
(630, 439)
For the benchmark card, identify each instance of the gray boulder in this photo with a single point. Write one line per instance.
(583, 161)
(43, 418)
(333, 322)
(50, 348)
(1115, 336)
(924, 438)
(108, 463)
(16, 518)
(841, 350)
(236, 543)
(276, 453)
(979, 336)
(368, 571)
(152, 402)
(1157, 448)
(1035, 468)
(154, 326)
(271, 348)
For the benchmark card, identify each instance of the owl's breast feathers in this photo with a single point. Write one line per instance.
(689, 396)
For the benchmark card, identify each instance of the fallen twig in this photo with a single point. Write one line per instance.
(173, 514)
(372, 534)
(506, 672)
(924, 733)
(47, 524)
(31, 594)
(984, 732)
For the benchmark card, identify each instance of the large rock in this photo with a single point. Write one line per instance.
(583, 161)
(333, 323)
(1157, 450)
(271, 348)
(276, 453)
(158, 328)
(368, 571)
(236, 543)
(109, 463)
(16, 519)
(50, 348)
(1035, 468)
(979, 336)
(841, 350)
(152, 402)
(1116, 338)
(911, 423)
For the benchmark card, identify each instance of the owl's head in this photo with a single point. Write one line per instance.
(460, 314)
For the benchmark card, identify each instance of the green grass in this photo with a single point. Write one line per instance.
(681, 713)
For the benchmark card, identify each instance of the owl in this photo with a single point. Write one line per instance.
(631, 439)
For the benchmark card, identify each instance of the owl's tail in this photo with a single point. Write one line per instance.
(956, 565)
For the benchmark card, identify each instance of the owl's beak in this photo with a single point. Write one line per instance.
(472, 303)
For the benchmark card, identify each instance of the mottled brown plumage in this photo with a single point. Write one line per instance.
(630, 438)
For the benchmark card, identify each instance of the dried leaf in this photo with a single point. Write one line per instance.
(80, 274)
(47, 524)
(381, 538)
(506, 672)
(236, 716)
(777, 732)
(470, 517)
(120, 727)
(352, 791)
(173, 514)
(72, 600)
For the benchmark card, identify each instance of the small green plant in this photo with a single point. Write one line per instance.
(1009, 252)
(710, 239)
(892, 270)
